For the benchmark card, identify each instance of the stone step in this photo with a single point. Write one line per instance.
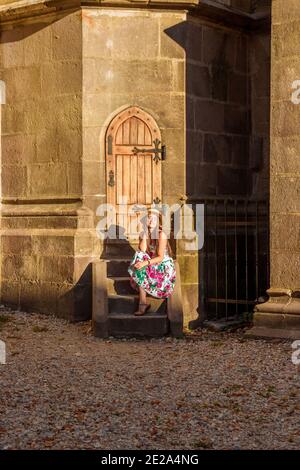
(150, 324)
(118, 267)
(119, 285)
(114, 248)
(129, 304)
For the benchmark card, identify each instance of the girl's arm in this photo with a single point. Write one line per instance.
(143, 242)
(162, 243)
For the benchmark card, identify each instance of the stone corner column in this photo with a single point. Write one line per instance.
(280, 315)
(187, 257)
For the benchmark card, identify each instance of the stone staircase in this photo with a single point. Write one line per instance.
(115, 301)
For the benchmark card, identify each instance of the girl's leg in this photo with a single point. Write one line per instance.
(142, 295)
(143, 306)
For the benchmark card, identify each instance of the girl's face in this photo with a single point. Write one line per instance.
(152, 221)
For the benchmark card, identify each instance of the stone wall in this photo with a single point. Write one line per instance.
(42, 116)
(246, 6)
(217, 110)
(243, 5)
(138, 66)
(67, 77)
(285, 145)
(41, 167)
(259, 144)
(280, 315)
(131, 66)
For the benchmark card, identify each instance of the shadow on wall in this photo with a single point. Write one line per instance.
(221, 132)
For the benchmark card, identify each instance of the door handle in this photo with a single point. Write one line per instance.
(111, 178)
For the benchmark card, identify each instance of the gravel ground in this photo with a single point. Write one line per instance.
(61, 388)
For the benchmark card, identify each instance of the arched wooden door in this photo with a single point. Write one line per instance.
(133, 169)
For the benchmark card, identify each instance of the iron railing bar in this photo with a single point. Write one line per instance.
(229, 301)
(256, 248)
(235, 257)
(203, 275)
(246, 253)
(216, 255)
(226, 259)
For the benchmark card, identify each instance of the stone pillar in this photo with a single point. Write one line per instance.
(280, 315)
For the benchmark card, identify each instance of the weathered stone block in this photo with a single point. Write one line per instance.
(12, 46)
(285, 232)
(190, 299)
(201, 179)
(198, 81)
(285, 155)
(285, 41)
(61, 77)
(93, 174)
(194, 147)
(10, 292)
(18, 150)
(43, 179)
(37, 44)
(58, 269)
(219, 81)
(217, 148)
(92, 149)
(75, 179)
(75, 303)
(237, 88)
(174, 141)
(16, 244)
(173, 34)
(285, 11)
(233, 181)
(55, 245)
(284, 193)
(236, 119)
(68, 46)
(240, 151)
(14, 181)
(219, 45)
(285, 268)
(189, 268)
(209, 116)
(17, 267)
(105, 75)
(23, 83)
(177, 186)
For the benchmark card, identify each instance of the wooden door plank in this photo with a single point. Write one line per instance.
(137, 177)
(126, 178)
(133, 178)
(133, 130)
(140, 132)
(141, 179)
(119, 178)
(148, 140)
(126, 140)
(156, 179)
(148, 179)
(119, 136)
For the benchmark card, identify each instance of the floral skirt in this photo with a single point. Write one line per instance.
(157, 280)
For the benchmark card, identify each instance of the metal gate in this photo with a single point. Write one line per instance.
(234, 261)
